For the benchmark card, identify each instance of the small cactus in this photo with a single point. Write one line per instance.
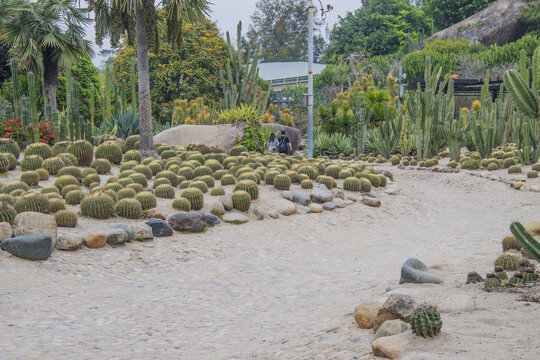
(333, 171)
(7, 212)
(56, 205)
(83, 151)
(43, 174)
(146, 199)
(306, 184)
(426, 321)
(218, 191)
(474, 277)
(139, 179)
(352, 184)
(53, 165)
(500, 273)
(282, 182)
(241, 200)
(16, 185)
(195, 197)
(126, 194)
(164, 191)
(74, 197)
(228, 179)
(514, 169)
(10, 146)
(71, 170)
(133, 155)
(508, 261)
(328, 181)
(31, 162)
(517, 278)
(510, 243)
(491, 280)
(32, 202)
(146, 171)
(66, 218)
(102, 166)
(128, 208)
(99, 206)
(109, 150)
(529, 275)
(172, 177)
(66, 180)
(181, 204)
(41, 149)
(248, 186)
(31, 178)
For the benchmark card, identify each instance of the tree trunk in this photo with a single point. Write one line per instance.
(52, 96)
(143, 77)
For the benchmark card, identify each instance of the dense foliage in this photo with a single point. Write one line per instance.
(446, 13)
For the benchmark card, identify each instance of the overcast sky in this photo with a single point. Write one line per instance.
(227, 13)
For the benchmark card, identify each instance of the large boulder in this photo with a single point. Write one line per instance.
(31, 247)
(28, 223)
(223, 136)
(294, 135)
(190, 222)
(415, 271)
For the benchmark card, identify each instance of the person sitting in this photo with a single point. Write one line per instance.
(284, 144)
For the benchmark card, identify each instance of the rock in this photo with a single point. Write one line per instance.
(300, 209)
(338, 193)
(535, 188)
(339, 202)
(212, 220)
(457, 303)
(300, 197)
(388, 174)
(397, 306)
(287, 195)
(294, 135)
(316, 208)
(369, 201)
(329, 206)
(126, 228)
(391, 327)
(415, 271)
(117, 237)
(321, 194)
(226, 200)
(94, 240)
(155, 214)
(352, 198)
(28, 223)
(142, 232)
(284, 207)
(392, 190)
(69, 241)
(31, 247)
(160, 228)
(235, 218)
(422, 356)
(534, 295)
(192, 222)
(365, 314)
(223, 136)
(217, 208)
(390, 347)
(348, 202)
(6, 231)
(273, 214)
(258, 212)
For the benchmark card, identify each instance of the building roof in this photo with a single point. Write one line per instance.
(282, 70)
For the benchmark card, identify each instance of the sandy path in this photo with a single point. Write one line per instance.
(273, 289)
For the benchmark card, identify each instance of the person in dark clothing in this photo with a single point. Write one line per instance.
(284, 144)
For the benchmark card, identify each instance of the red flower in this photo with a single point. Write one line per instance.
(43, 140)
(5, 122)
(9, 128)
(7, 134)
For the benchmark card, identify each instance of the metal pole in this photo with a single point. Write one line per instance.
(310, 81)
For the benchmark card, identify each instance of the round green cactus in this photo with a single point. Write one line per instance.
(31, 162)
(309, 171)
(83, 151)
(510, 243)
(139, 179)
(7, 212)
(16, 185)
(533, 174)
(109, 150)
(146, 199)
(9, 146)
(333, 171)
(66, 218)
(508, 162)
(114, 186)
(134, 155)
(195, 197)
(253, 176)
(69, 188)
(181, 204)
(31, 178)
(529, 275)
(219, 174)
(248, 186)
(345, 173)
(241, 200)
(4, 163)
(11, 159)
(128, 165)
(237, 150)
(131, 141)
(500, 273)
(53, 165)
(217, 191)
(228, 179)
(426, 321)
(282, 182)
(128, 208)
(352, 184)
(136, 187)
(99, 206)
(102, 166)
(164, 191)
(43, 174)
(145, 170)
(199, 185)
(213, 165)
(514, 169)
(56, 205)
(126, 194)
(186, 172)
(517, 278)
(161, 181)
(306, 184)
(41, 149)
(491, 280)
(32, 202)
(7, 199)
(60, 147)
(74, 197)
(326, 180)
(172, 177)
(49, 189)
(71, 170)
(508, 261)
(66, 180)
(91, 179)
(470, 164)
(474, 277)
(68, 159)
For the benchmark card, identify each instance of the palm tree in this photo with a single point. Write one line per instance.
(49, 32)
(138, 20)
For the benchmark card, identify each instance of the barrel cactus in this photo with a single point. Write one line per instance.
(195, 197)
(172, 177)
(237, 150)
(139, 179)
(145, 170)
(9, 146)
(217, 191)
(53, 165)
(49, 189)
(66, 218)
(4, 163)
(529, 275)
(56, 205)
(71, 170)
(306, 184)
(491, 280)
(352, 184)
(500, 273)
(269, 177)
(83, 151)
(426, 321)
(15, 185)
(508, 261)
(60, 147)
(30, 178)
(146, 199)
(203, 170)
(66, 180)
(186, 172)
(219, 174)
(164, 191)
(7, 199)
(326, 180)
(181, 204)
(109, 150)
(282, 182)
(31, 162)
(99, 206)
(514, 169)
(161, 181)
(131, 142)
(128, 208)
(41, 149)
(228, 179)
(241, 200)
(248, 186)
(309, 171)
(32, 202)
(74, 197)
(474, 277)
(213, 164)
(68, 159)
(11, 159)
(134, 155)
(207, 179)
(7, 212)
(91, 179)
(102, 166)
(516, 279)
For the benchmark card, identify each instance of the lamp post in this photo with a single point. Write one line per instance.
(278, 102)
(311, 10)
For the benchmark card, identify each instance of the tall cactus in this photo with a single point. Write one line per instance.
(133, 83)
(16, 87)
(526, 98)
(33, 105)
(362, 119)
(26, 114)
(92, 105)
(526, 241)
(107, 107)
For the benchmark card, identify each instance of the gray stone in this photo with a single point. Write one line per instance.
(217, 208)
(212, 220)
(321, 194)
(287, 195)
(388, 174)
(160, 228)
(415, 271)
(348, 202)
(142, 232)
(457, 303)
(391, 327)
(192, 222)
(126, 228)
(390, 347)
(31, 247)
(392, 190)
(258, 212)
(339, 202)
(300, 209)
(6, 231)
(273, 214)
(69, 241)
(28, 223)
(283, 206)
(235, 218)
(226, 200)
(117, 237)
(329, 206)
(301, 197)
(369, 201)
(338, 193)
(352, 198)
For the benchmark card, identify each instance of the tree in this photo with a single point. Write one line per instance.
(381, 27)
(281, 28)
(50, 32)
(446, 13)
(5, 71)
(188, 73)
(138, 20)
